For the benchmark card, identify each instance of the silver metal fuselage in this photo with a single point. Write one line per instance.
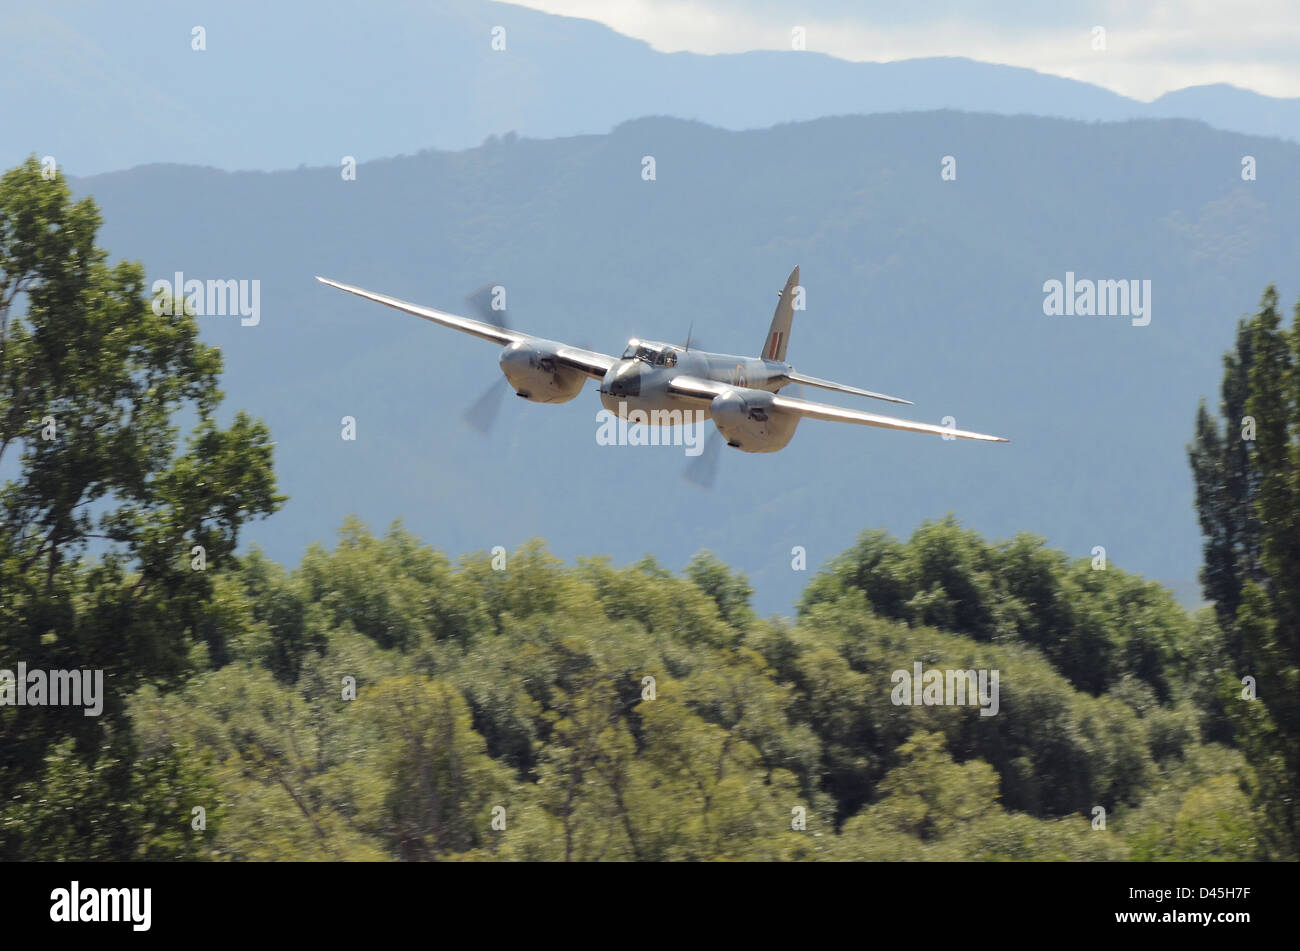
(634, 384)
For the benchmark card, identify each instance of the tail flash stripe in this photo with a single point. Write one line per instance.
(776, 346)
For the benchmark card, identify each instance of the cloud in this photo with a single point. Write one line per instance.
(1149, 50)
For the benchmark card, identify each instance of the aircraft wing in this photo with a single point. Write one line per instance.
(708, 389)
(467, 325)
(700, 389)
(591, 362)
(839, 414)
(588, 361)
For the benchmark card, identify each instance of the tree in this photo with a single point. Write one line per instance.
(1226, 483)
(1094, 626)
(731, 591)
(443, 785)
(1248, 498)
(90, 381)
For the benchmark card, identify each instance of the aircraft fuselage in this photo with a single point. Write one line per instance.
(635, 383)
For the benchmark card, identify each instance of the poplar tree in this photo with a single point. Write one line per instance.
(1247, 472)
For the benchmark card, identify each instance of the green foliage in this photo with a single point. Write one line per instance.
(1093, 625)
(1198, 810)
(1225, 480)
(551, 713)
(119, 804)
(1247, 471)
(935, 809)
(90, 380)
(1057, 750)
(731, 592)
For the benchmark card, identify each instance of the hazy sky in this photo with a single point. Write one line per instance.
(1151, 47)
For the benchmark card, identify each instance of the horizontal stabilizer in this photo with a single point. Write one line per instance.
(842, 388)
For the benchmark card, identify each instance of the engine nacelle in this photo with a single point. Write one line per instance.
(749, 422)
(537, 375)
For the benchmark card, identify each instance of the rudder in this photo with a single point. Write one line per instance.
(778, 335)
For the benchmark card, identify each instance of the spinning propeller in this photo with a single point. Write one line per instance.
(482, 414)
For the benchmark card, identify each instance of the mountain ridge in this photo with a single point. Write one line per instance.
(103, 89)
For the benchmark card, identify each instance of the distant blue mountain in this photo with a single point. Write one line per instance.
(929, 289)
(109, 86)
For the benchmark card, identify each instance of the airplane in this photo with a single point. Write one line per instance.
(667, 381)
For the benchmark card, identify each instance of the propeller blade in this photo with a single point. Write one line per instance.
(481, 303)
(702, 471)
(482, 415)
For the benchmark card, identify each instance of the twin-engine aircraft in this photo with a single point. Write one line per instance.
(667, 382)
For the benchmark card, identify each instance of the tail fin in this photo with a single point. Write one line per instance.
(778, 335)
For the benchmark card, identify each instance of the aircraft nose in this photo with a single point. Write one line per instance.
(626, 381)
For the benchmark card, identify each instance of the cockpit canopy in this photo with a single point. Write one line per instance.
(655, 354)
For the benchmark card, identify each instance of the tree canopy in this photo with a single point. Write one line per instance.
(102, 510)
